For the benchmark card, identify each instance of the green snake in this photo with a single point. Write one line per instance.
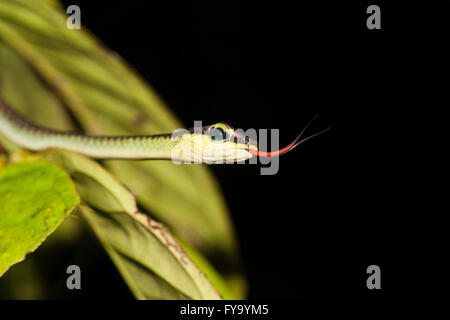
(217, 143)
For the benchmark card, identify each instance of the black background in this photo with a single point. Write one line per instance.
(341, 201)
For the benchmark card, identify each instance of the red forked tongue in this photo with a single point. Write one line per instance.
(290, 146)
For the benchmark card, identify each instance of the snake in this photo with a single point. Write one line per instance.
(212, 144)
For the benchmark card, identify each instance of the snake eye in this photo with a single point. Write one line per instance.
(217, 135)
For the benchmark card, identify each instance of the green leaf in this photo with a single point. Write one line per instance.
(16, 79)
(150, 259)
(35, 197)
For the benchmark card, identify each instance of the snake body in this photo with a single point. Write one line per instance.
(217, 143)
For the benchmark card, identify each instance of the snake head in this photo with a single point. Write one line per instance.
(216, 143)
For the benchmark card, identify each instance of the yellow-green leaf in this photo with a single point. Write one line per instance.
(35, 197)
(150, 259)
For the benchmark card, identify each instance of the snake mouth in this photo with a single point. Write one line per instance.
(228, 155)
